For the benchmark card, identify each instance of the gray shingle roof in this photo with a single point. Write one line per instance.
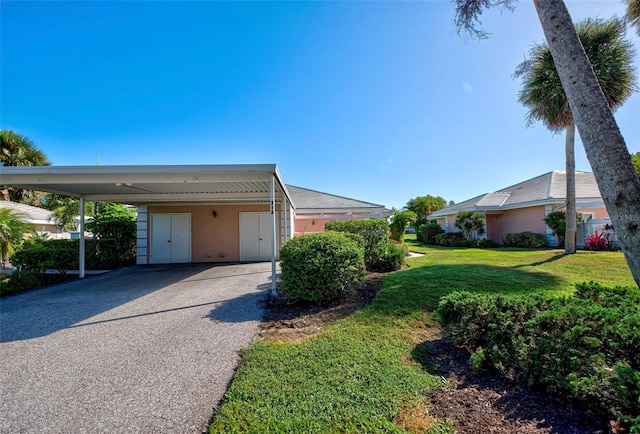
(548, 188)
(30, 213)
(304, 198)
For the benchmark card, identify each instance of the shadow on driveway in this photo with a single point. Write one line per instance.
(56, 307)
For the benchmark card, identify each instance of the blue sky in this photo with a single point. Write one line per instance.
(379, 101)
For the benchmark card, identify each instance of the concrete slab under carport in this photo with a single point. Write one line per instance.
(141, 349)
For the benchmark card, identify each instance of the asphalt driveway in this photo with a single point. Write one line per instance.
(141, 349)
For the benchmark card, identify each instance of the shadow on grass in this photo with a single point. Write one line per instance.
(511, 405)
(546, 261)
(418, 289)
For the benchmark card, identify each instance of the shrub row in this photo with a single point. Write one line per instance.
(379, 254)
(585, 346)
(524, 239)
(456, 239)
(62, 255)
(427, 233)
(321, 267)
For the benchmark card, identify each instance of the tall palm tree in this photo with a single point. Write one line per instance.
(12, 230)
(611, 57)
(633, 14)
(18, 150)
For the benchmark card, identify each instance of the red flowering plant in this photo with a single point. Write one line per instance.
(598, 241)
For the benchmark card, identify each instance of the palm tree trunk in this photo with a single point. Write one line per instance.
(604, 145)
(570, 230)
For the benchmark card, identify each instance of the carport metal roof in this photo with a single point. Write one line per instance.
(142, 185)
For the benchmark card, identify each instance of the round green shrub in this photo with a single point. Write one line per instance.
(390, 258)
(321, 267)
(427, 233)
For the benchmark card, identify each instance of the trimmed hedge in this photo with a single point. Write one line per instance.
(427, 233)
(374, 233)
(321, 267)
(524, 239)
(585, 346)
(62, 255)
(390, 259)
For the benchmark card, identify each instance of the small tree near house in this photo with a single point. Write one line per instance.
(471, 224)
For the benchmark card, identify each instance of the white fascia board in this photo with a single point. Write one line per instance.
(179, 197)
(140, 169)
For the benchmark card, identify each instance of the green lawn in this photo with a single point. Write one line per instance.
(359, 374)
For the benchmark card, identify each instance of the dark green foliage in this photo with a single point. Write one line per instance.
(585, 346)
(557, 221)
(114, 221)
(374, 233)
(320, 267)
(524, 239)
(62, 255)
(399, 223)
(427, 233)
(451, 239)
(390, 259)
(20, 280)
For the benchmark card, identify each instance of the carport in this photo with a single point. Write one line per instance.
(183, 185)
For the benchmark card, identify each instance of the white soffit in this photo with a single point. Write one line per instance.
(232, 184)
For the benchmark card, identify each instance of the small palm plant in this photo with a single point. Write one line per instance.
(12, 230)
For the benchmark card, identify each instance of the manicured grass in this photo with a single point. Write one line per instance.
(359, 374)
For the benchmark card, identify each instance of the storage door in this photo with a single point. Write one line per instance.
(255, 236)
(170, 238)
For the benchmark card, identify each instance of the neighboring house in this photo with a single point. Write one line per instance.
(41, 219)
(522, 207)
(314, 209)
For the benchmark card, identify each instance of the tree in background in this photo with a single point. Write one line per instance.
(399, 224)
(471, 224)
(12, 230)
(603, 143)
(633, 14)
(557, 222)
(117, 222)
(422, 206)
(636, 162)
(611, 57)
(18, 150)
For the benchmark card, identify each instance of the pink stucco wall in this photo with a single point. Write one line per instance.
(211, 236)
(305, 224)
(516, 220)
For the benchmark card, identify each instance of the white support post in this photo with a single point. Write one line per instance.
(82, 252)
(272, 209)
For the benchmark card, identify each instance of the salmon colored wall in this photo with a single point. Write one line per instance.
(516, 220)
(305, 225)
(211, 236)
(598, 213)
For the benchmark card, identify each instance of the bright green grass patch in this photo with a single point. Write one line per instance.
(352, 378)
(362, 371)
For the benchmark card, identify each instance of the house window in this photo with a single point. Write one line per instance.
(584, 217)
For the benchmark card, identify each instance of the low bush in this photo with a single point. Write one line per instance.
(19, 281)
(585, 346)
(524, 239)
(62, 255)
(390, 259)
(321, 267)
(427, 233)
(450, 239)
(374, 233)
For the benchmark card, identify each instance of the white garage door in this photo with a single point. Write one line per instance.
(255, 236)
(170, 238)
